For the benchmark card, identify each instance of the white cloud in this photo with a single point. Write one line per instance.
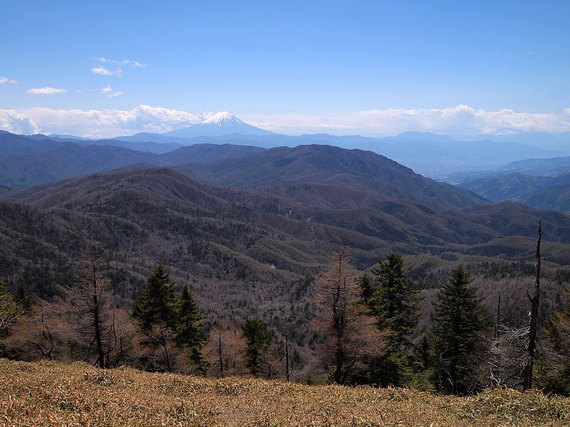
(102, 71)
(98, 123)
(15, 122)
(460, 120)
(46, 91)
(109, 92)
(106, 72)
(7, 81)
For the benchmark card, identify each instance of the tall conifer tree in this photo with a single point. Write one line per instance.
(390, 296)
(459, 318)
(154, 311)
(188, 328)
(258, 339)
(155, 302)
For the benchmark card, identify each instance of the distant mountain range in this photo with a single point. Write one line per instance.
(432, 155)
(236, 166)
(39, 159)
(540, 167)
(35, 160)
(435, 156)
(541, 183)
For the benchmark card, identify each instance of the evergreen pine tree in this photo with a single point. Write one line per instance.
(155, 303)
(154, 311)
(459, 318)
(258, 339)
(395, 302)
(391, 298)
(188, 328)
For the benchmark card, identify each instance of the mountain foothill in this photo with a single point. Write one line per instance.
(247, 224)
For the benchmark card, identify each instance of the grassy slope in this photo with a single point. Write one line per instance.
(78, 394)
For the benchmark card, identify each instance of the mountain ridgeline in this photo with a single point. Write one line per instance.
(541, 183)
(230, 166)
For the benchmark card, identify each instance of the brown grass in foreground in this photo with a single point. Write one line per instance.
(52, 393)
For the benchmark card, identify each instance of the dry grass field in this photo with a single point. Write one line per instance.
(50, 393)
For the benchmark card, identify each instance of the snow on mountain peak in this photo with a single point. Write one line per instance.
(223, 119)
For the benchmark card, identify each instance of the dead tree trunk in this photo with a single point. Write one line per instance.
(498, 325)
(534, 300)
(221, 360)
(287, 359)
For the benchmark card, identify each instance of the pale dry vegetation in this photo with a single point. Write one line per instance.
(49, 393)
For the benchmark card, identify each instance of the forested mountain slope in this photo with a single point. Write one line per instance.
(203, 233)
(541, 192)
(322, 164)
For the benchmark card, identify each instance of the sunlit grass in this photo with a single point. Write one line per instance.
(52, 393)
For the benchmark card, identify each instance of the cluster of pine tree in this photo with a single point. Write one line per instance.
(165, 319)
(460, 353)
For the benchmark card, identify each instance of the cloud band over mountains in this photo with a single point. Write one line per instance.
(460, 120)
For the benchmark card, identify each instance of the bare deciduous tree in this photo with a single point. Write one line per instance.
(226, 349)
(507, 356)
(350, 337)
(90, 305)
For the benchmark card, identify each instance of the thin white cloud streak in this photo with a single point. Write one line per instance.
(102, 71)
(7, 81)
(460, 120)
(109, 92)
(46, 91)
(121, 62)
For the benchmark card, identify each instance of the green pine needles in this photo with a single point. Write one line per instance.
(165, 319)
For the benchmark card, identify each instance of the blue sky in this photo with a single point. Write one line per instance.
(288, 65)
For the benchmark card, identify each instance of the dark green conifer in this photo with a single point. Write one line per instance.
(258, 340)
(395, 301)
(188, 327)
(390, 296)
(155, 313)
(459, 319)
(155, 303)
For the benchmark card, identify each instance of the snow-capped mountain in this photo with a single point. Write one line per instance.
(219, 124)
(223, 118)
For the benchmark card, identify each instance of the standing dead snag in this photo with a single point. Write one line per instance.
(350, 337)
(226, 349)
(89, 303)
(534, 300)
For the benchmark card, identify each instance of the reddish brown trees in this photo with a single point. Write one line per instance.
(350, 338)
